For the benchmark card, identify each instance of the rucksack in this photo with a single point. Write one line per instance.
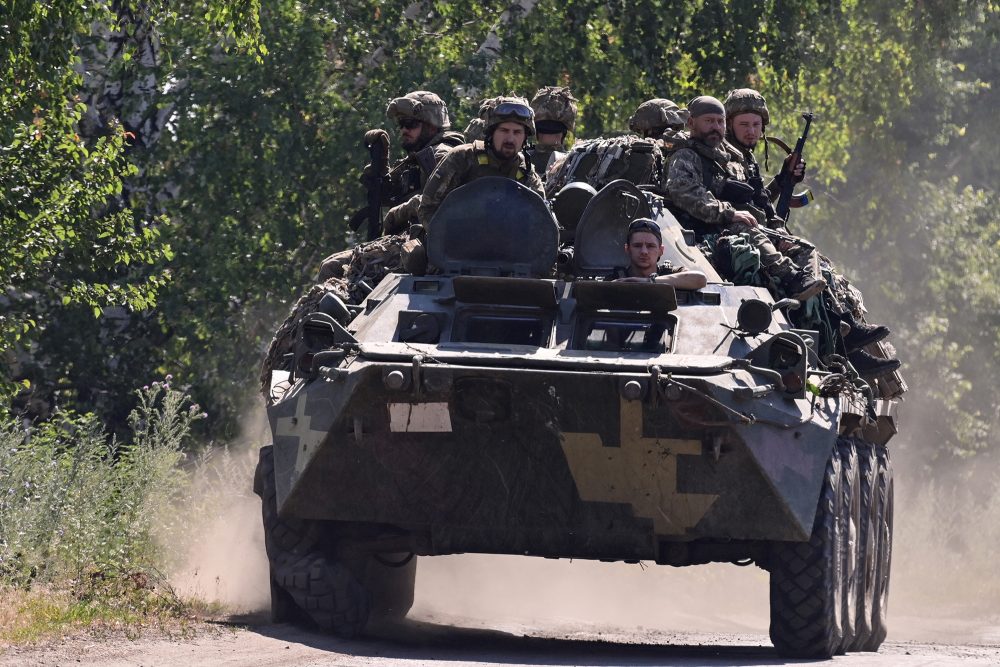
(599, 161)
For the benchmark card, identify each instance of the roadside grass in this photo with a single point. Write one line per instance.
(88, 524)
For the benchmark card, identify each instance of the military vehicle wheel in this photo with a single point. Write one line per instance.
(868, 474)
(807, 587)
(391, 578)
(308, 582)
(850, 489)
(883, 548)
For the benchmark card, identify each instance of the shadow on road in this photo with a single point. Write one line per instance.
(428, 641)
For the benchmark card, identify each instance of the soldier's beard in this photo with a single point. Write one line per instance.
(507, 150)
(712, 139)
(415, 145)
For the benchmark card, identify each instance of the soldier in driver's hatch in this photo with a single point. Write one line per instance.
(643, 249)
(747, 118)
(424, 132)
(700, 182)
(555, 116)
(508, 125)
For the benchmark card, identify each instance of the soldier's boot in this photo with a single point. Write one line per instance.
(869, 366)
(861, 333)
(795, 283)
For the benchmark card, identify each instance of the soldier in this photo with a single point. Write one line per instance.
(424, 129)
(508, 125)
(747, 118)
(424, 133)
(476, 129)
(555, 116)
(704, 177)
(643, 248)
(658, 118)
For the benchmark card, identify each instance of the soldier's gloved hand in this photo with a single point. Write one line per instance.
(367, 180)
(798, 170)
(376, 136)
(396, 220)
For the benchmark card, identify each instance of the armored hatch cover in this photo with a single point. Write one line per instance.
(600, 234)
(493, 226)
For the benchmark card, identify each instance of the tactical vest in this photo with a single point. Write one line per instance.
(487, 165)
(710, 168)
(408, 176)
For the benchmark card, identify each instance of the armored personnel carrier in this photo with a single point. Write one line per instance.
(489, 407)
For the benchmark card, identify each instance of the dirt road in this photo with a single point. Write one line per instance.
(488, 610)
(435, 641)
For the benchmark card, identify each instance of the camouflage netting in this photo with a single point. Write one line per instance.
(369, 262)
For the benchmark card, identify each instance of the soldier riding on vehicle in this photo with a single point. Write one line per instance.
(747, 118)
(555, 116)
(425, 134)
(509, 123)
(703, 181)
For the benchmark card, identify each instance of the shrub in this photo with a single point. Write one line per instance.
(77, 507)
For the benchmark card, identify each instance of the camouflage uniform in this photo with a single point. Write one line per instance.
(478, 159)
(467, 163)
(408, 177)
(696, 180)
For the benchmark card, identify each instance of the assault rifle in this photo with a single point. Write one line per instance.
(782, 207)
(377, 143)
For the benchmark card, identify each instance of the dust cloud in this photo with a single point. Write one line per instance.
(219, 557)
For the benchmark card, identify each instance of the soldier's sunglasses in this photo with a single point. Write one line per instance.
(514, 109)
(645, 225)
(408, 123)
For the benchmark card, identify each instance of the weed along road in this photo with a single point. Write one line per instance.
(434, 640)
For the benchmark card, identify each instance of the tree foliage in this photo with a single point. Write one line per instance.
(256, 169)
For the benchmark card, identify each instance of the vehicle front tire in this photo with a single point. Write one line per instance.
(308, 581)
(807, 582)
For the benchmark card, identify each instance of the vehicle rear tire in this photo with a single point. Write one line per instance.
(807, 584)
(868, 474)
(306, 578)
(884, 492)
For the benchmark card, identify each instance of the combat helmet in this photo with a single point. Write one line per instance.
(420, 105)
(655, 115)
(555, 107)
(746, 100)
(511, 109)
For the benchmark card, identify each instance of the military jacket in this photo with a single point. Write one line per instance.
(466, 163)
(408, 177)
(697, 175)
